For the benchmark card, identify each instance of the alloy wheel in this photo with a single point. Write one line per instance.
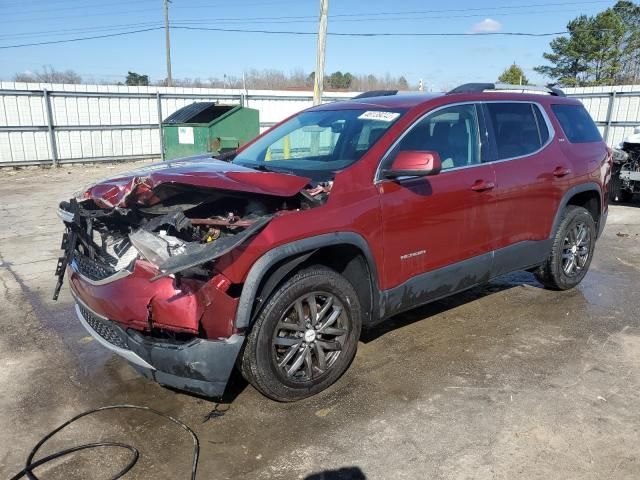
(310, 337)
(576, 249)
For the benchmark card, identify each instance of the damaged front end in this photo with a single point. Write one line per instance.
(140, 254)
(142, 249)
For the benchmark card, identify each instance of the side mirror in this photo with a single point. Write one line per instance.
(413, 163)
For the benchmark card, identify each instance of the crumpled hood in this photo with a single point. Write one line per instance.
(136, 188)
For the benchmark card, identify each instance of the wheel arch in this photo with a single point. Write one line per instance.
(587, 195)
(274, 266)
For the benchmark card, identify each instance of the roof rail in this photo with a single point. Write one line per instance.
(551, 89)
(376, 93)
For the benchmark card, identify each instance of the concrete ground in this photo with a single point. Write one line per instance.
(507, 381)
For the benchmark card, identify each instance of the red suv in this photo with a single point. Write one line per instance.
(275, 256)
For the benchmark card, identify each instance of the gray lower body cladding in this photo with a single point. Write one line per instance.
(199, 366)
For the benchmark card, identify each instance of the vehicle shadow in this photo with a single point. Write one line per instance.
(345, 473)
(237, 383)
(504, 282)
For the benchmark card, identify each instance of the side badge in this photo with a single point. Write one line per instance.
(412, 255)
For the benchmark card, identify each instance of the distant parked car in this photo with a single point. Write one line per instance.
(336, 219)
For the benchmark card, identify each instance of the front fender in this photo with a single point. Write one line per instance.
(294, 249)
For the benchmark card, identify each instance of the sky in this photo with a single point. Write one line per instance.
(440, 61)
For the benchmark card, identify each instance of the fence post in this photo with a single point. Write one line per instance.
(159, 103)
(607, 129)
(52, 134)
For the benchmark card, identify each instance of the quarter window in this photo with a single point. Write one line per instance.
(519, 128)
(451, 132)
(576, 123)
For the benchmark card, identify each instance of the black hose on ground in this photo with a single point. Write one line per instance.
(30, 464)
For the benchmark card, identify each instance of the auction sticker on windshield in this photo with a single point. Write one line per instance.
(381, 116)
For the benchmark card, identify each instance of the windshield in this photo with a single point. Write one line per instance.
(317, 144)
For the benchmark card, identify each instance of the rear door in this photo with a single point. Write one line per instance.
(531, 176)
(433, 224)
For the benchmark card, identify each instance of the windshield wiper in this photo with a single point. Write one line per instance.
(227, 156)
(261, 167)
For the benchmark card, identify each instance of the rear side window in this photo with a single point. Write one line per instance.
(576, 123)
(519, 128)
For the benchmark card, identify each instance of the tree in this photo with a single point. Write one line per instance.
(311, 79)
(630, 16)
(48, 75)
(135, 80)
(340, 80)
(600, 50)
(403, 84)
(514, 75)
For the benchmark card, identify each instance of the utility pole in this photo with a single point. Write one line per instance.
(322, 42)
(168, 42)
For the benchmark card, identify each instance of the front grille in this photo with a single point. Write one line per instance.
(92, 269)
(102, 327)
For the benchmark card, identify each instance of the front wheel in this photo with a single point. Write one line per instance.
(305, 337)
(571, 251)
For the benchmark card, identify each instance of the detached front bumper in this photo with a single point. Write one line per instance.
(199, 366)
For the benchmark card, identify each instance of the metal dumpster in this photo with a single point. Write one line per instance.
(208, 127)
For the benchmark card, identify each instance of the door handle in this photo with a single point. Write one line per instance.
(481, 186)
(561, 172)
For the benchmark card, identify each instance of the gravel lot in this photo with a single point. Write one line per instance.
(507, 381)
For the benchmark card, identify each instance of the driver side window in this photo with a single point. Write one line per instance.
(451, 132)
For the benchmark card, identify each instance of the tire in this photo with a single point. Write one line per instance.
(574, 242)
(285, 356)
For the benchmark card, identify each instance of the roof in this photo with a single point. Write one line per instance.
(401, 100)
(411, 100)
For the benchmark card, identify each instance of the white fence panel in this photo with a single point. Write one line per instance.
(109, 122)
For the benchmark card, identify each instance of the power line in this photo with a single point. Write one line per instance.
(35, 3)
(415, 12)
(290, 32)
(196, 22)
(334, 16)
(373, 34)
(302, 19)
(79, 39)
(497, 7)
(360, 20)
(75, 7)
(112, 11)
(70, 31)
(189, 25)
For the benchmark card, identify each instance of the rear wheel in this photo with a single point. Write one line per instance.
(305, 337)
(571, 251)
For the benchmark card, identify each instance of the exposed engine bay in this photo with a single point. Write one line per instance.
(625, 176)
(179, 228)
